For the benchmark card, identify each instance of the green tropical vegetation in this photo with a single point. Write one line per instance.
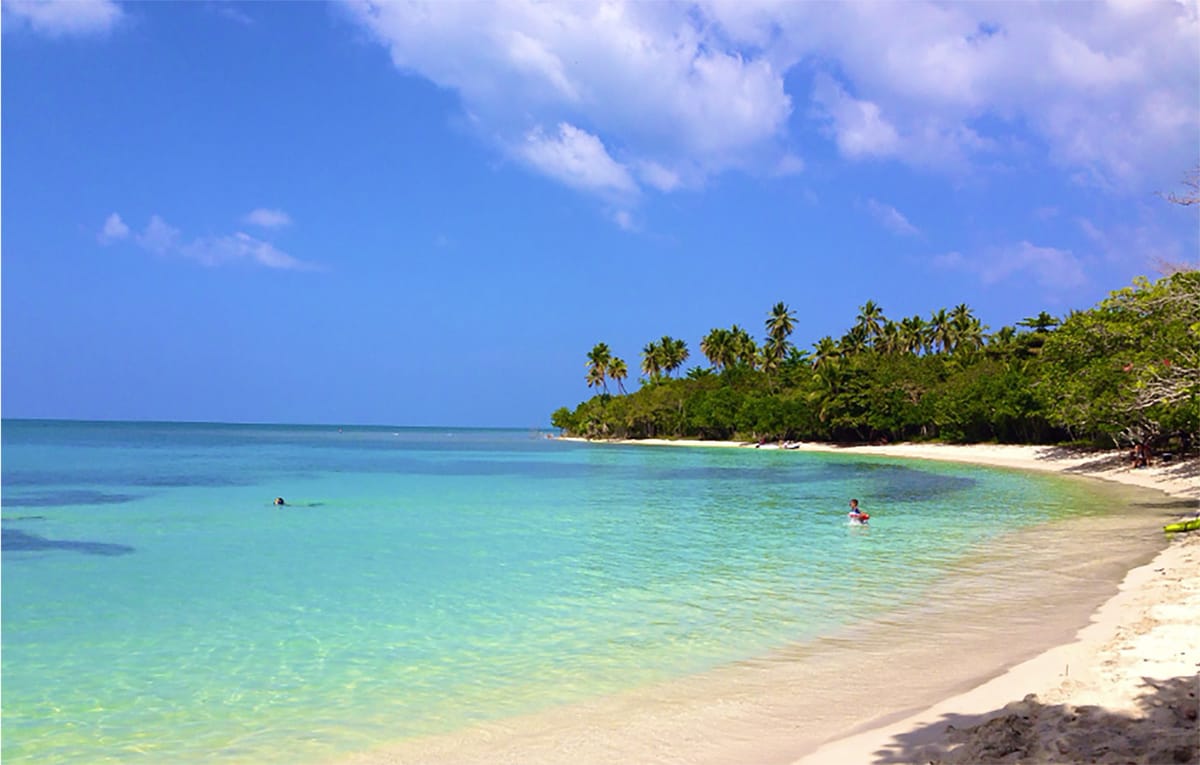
(1124, 371)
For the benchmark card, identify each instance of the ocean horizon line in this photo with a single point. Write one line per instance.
(221, 423)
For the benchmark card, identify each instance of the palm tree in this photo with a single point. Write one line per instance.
(870, 318)
(825, 350)
(598, 362)
(781, 322)
(674, 353)
(888, 338)
(716, 346)
(913, 334)
(1042, 323)
(744, 348)
(652, 360)
(941, 332)
(594, 377)
(618, 371)
(968, 331)
(853, 342)
(773, 352)
(1003, 335)
(779, 325)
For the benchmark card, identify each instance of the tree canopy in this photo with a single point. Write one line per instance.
(1126, 370)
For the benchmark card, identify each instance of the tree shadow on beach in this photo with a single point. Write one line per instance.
(1164, 730)
(1171, 466)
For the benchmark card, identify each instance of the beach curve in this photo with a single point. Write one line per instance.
(1124, 690)
(725, 722)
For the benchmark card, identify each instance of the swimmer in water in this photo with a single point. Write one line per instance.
(856, 515)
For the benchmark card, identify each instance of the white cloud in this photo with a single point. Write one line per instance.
(113, 230)
(624, 219)
(215, 251)
(57, 18)
(576, 158)
(857, 126)
(159, 237)
(268, 218)
(654, 174)
(651, 78)
(678, 92)
(1048, 266)
(162, 239)
(891, 218)
(1104, 91)
(789, 164)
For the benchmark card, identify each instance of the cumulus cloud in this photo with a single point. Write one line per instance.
(1048, 266)
(651, 78)
(114, 229)
(163, 239)
(856, 125)
(659, 177)
(624, 219)
(678, 92)
(238, 247)
(891, 218)
(64, 18)
(268, 218)
(576, 158)
(159, 237)
(1100, 89)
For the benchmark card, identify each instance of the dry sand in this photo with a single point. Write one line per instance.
(1125, 691)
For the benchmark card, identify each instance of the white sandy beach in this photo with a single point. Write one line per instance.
(1124, 691)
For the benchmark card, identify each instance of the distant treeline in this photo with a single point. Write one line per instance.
(1125, 371)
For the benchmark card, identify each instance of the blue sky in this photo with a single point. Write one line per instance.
(427, 214)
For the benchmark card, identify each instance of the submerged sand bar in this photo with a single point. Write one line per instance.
(874, 690)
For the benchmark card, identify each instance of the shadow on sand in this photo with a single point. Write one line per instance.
(1164, 730)
(1181, 468)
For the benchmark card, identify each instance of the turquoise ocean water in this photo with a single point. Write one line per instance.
(158, 608)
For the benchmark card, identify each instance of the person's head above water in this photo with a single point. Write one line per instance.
(279, 501)
(854, 504)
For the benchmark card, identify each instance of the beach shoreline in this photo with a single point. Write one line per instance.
(1177, 478)
(1123, 690)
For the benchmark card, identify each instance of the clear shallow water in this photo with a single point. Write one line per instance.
(156, 604)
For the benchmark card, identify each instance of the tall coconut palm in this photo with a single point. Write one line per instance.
(825, 351)
(716, 347)
(968, 331)
(888, 339)
(781, 322)
(674, 353)
(774, 350)
(652, 360)
(744, 348)
(779, 325)
(941, 331)
(912, 334)
(853, 342)
(594, 377)
(598, 362)
(618, 371)
(870, 319)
